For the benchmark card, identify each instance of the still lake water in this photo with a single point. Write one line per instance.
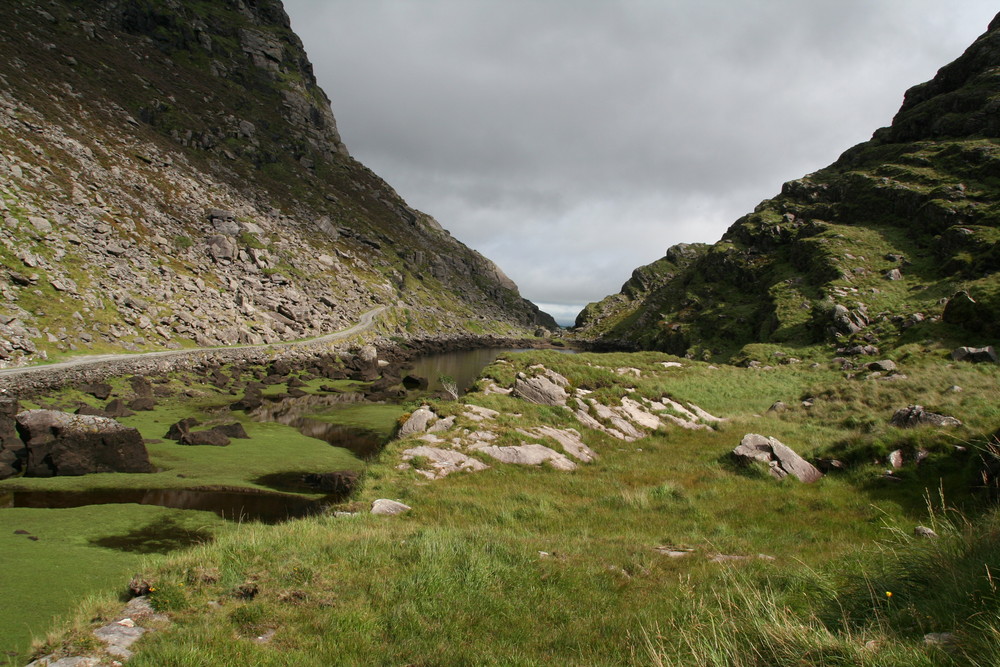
(316, 417)
(463, 366)
(231, 505)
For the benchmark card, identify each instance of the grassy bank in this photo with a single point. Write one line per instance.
(660, 552)
(50, 559)
(271, 449)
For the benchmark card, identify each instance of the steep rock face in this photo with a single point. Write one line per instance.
(623, 311)
(171, 174)
(866, 251)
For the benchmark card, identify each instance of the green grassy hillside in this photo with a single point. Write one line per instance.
(890, 232)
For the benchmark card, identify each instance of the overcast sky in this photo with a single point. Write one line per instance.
(571, 141)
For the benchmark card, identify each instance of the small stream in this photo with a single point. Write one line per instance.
(302, 413)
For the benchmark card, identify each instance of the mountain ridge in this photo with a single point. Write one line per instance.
(173, 175)
(867, 251)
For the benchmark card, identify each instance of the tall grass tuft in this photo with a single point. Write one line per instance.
(744, 621)
(944, 585)
(915, 601)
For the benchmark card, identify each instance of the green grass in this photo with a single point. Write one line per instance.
(84, 550)
(521, 565)
(272, 448)
(379, 418)
(78, 552)
(876, 610)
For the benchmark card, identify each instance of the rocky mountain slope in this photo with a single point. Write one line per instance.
(171, 175)
(895, 242)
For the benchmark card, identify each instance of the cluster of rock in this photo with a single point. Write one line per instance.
(115, 638)
(46, 443)
(447, 448)
(915, 416)
(216, 436)
(629, 420)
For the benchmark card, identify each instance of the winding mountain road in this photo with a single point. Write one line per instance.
(365, 322)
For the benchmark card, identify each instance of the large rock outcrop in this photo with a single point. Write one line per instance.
(545, 388)
(59, 443)
(780, 459)
(836, 255)
(12, 449)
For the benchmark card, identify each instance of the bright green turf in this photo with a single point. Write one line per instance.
(41, 579)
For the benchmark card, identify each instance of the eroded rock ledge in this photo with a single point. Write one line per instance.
(471, 440)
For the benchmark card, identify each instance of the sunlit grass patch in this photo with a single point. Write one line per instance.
(54, 555)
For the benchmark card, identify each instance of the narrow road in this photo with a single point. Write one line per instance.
(366, 322)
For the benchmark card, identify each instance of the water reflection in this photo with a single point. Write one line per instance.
(463, 366)
(300, 413)
(231, 505)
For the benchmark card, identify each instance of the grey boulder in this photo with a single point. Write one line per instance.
(915, 415)
(418, 421)
(541, 389)
(780, 459)
(386, 507)
(975, 354)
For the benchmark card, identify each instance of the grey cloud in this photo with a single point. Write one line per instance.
(573, 140)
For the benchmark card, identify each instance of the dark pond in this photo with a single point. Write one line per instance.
(232, 505)
(463, 366)
(300, 413)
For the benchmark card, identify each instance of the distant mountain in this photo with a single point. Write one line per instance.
(170, 173)
(871, 250)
